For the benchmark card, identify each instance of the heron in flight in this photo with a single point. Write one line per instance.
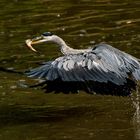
(102, 68)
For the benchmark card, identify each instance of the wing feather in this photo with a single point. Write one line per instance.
(103, 64)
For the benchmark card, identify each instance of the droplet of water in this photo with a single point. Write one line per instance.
(63, 29)
(83, 31)
(23, 85)
(22, 80)
(13, 87)
(92, 42)
(129, 21)
(58, 15)
(81, 35)
(10, 68)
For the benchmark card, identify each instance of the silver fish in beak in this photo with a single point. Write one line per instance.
(30, 42)
(29, 45)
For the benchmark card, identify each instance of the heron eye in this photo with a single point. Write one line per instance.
(47, 34)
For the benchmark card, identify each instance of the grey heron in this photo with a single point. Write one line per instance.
(102, 68)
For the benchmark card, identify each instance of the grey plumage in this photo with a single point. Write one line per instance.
(101, 69)
(102, 64)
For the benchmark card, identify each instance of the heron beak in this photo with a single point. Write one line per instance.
(30, 42)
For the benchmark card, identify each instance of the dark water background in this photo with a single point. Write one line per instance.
(29, 114)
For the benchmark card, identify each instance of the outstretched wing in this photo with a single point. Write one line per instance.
(103, 64)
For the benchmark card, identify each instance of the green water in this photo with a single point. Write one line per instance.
(30, 114)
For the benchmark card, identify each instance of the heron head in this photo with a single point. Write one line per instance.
(45, 37)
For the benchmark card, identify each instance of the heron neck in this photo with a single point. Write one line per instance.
(65, 49)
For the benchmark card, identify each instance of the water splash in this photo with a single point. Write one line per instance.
(136, 117)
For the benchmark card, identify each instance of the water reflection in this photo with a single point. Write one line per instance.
(136, 118)
(25, 113)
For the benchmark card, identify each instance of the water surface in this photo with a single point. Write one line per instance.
(29, 114)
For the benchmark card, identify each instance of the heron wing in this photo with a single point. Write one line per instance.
(120, 63)
(102, 64)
